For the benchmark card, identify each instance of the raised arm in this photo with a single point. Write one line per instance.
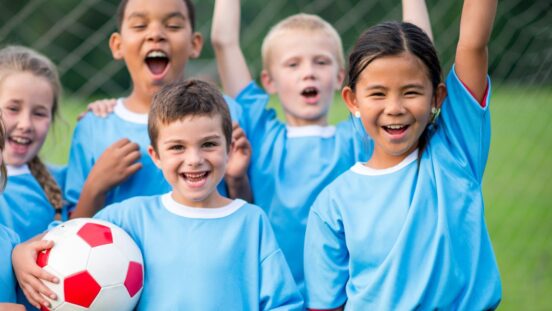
(225, 37)
(415, 12)
(471, 53)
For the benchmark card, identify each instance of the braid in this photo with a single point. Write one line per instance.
(47, 182)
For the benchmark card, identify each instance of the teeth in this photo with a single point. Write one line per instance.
(157, 54)
(395, 127)
(195, 175)
(21, 140)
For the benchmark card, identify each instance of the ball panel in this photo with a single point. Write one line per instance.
(113, 298)
(95, 234)
(126, 244)
(134, 280)
(66, 306)
(42, 258)
(56, 288)
(81, 289)
(107, 265)
(69, 255)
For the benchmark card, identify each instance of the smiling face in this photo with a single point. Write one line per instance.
(304, 71)
(394, 97)
(156, 41)
(192, 153)
(26, 102)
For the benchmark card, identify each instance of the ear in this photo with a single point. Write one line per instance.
(340, 78)
(154, 156)
(268, 82)
(115, 46)
(350, 100)
(197, 45)
(440, 95)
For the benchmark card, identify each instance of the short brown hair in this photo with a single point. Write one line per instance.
(181, 99)
(123, 4)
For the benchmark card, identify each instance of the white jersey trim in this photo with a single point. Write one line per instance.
(18, 170)
(194, 212)
(311, 131)
(127, 115)
(362, 169)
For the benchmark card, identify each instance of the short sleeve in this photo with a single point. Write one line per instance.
(326, 258)
(466, 125)
(257, 119)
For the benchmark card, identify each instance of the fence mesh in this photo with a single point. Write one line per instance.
(518, 187)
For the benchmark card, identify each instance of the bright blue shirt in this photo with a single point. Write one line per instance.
(24, 207)
(412, 236)
(8, 240)
(206, 258)
(291, 165)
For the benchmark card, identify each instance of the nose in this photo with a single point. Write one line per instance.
(308, 71)
(194, 158)
(394, 106)
(24, 121)
(156, 32)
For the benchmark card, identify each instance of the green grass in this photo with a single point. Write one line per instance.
(517, 188)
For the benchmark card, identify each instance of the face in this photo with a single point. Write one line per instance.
(394, 97)
(26, 102)
(192, 153)
(156, 41)
(304, 72)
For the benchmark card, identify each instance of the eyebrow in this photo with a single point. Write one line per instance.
(169, 16)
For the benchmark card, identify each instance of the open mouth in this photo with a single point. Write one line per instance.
(157, 62)
(395, 129)
(19, 144)
(196, 178)
(310, 92)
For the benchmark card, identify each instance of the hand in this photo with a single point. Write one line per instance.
(29, 274)
(117, 163)
(100, 108)
(240, 154)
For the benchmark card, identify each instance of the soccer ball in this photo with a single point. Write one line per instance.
(98, 264)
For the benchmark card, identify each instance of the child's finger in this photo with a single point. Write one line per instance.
(42, 245)
(34, 297)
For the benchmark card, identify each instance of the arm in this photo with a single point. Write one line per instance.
(116, 164)
(236, 177)
(11, 307)
(225, 37)
(471, 53)
(415, 12)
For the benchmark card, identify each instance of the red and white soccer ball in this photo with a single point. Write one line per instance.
(98, 264)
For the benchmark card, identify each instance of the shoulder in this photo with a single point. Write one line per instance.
(457, 91)
(130, 208)
(252, 90)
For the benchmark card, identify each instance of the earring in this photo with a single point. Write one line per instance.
(435, 114)
(357, 114)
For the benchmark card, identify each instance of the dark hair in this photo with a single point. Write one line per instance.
(178, 100)
(123, 4)
(394, 38)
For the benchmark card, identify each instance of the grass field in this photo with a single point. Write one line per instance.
(517, 188)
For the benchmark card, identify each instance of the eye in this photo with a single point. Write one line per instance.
(412, 93)
(12, 108)
(210, 144)
(322, 61)
(176, 147)
(41, 114)
(376, 94)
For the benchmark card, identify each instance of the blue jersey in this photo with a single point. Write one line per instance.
(8, 240)
(206, 258)
(409, 237)
(24, 207)
(291, 165)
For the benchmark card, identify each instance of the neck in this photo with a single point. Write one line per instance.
(138, 102)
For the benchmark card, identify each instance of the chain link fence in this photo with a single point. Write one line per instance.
(518, 182)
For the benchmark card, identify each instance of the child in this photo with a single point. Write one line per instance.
(406, 229)
(303, 64)
(155, 39)
(29, 94)
(201, 251)
(8, 239)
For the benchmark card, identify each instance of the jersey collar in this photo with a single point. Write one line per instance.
(203, 213)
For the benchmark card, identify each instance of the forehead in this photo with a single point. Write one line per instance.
(395, 70)
(192, 127)
(148, 7)
(294, 43)
(25, 85)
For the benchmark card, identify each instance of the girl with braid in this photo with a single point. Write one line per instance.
(29, 94)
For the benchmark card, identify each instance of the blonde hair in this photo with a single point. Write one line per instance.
(301, 22)
(3, 171)
(14, 59)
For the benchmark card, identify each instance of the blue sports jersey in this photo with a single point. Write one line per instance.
(409, 237)
(24, 207)
(8, 240)
(291, 165)
(93, 135)
(206, 258)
